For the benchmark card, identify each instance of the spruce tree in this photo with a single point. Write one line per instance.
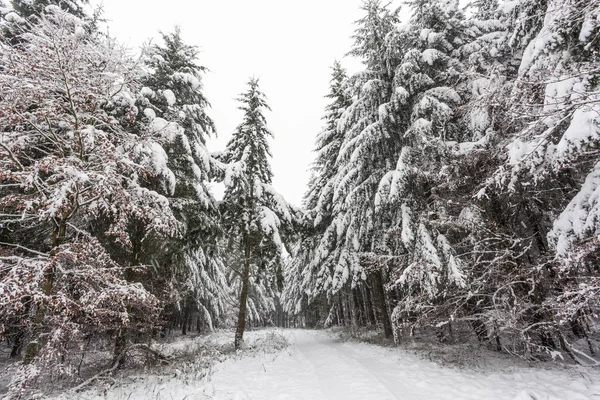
(318, 201)
(550, 175)
(427, 84)
(328, 145)
(35, 8)
(23, 14)
(369, 148)
(176, 108)
(257, 220)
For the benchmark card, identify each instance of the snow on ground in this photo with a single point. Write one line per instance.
(188, 376)
(319, 367)
(316, 365)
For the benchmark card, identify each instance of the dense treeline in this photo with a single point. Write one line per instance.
(109, 232)
(456, 183)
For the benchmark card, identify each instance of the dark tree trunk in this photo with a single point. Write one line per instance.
(480, 330)
(120, 345)
(31, 351)
(17, 344)
(368, 305)
(241, 323)
(342, 320)
(185, 317)
(351, 307)
(379, 299)
(360, 306)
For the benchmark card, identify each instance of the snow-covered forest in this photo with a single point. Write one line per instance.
(454, 196)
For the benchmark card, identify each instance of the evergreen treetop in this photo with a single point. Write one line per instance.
(249, 142)
(176, 78)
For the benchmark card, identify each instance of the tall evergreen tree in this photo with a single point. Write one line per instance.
(257, 220)
(306, 277)
(176, 107)
(428, 80)
(368, 148)
(328, 145)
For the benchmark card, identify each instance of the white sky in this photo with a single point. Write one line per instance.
(289, 45)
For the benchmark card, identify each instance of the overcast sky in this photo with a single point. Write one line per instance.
(289, 45)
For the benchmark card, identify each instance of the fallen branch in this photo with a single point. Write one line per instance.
(158, 355)
(98, 375)
(117, 362)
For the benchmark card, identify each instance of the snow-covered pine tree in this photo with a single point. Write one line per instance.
(548, 178)
(411, 196)
(17, 16)
(176, 107)
(257, 220)
(318, 202)
(35, 8)
(366, 130)
(318, 199)
(71, 188)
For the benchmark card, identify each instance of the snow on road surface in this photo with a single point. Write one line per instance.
(318, 367)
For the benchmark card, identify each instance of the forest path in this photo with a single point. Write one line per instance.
(319, 367)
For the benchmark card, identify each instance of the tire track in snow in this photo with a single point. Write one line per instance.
(341, 376)
(318, 367)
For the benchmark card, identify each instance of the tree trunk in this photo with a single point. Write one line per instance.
(58, 236)
(120, 346)
(185, 317)
(351, 307)
(379, 297)
(480, 330)
(342, 320)
(360, 306)
(17, 344)
(241, 323)
(368, 305)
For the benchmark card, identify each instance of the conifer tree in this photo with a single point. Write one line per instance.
(328, 145)
(176, 107)
(35, 8)
(365, 153)
(21, 15)
(422, 82)
(549, 176)
(256, 218)
(318, 200)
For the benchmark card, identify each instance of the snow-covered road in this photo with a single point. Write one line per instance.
(318, 367)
